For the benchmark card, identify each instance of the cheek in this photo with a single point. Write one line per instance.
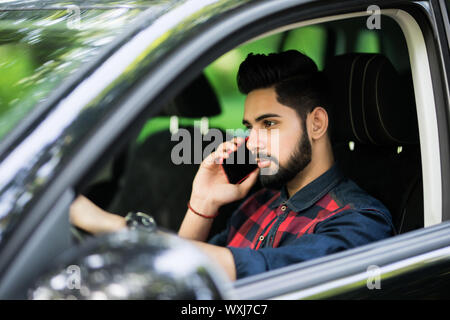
(283, 145)
(287, 148)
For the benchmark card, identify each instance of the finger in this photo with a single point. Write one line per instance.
(228, 146)
(232, 144)
(216, 157)
(238, 140)
(224, 150)
(221, 156)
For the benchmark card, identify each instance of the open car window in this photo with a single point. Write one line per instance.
(371, 165)
(322, 42)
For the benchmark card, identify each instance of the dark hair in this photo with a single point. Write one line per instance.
(295, 77)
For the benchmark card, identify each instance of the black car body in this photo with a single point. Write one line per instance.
(66, 136)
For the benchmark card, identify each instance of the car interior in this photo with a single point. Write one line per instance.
(375, 127)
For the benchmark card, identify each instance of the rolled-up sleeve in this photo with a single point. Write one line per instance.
(344, 231)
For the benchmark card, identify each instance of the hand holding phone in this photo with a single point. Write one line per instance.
(220, 181)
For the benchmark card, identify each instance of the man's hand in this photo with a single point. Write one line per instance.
(211, 189)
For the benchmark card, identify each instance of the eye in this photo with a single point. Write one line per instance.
(268, 123)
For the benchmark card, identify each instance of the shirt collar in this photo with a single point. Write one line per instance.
(312, 192)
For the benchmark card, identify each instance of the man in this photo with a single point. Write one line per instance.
(307, 209)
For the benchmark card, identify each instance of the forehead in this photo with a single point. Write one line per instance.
(264, 101)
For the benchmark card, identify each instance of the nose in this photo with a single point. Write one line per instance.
(256, 141)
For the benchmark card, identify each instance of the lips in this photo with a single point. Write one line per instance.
(263, 162)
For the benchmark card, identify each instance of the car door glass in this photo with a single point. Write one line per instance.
(41, 48)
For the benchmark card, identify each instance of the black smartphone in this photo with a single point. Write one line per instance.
(240, 164)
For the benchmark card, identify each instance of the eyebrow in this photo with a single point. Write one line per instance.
(262, 117)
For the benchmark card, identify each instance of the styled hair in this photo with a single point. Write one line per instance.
(295, 77)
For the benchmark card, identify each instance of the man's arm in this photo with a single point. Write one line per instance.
(87, 216)
(221, 255)
(195, 227)
(210, 190)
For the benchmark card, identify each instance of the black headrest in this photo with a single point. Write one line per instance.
(373, 104)
(196, 100)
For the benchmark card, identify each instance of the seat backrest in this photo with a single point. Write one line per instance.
(375, 133)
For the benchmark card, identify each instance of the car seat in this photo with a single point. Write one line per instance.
(375, 135)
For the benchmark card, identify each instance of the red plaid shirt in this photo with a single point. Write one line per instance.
(270, 230)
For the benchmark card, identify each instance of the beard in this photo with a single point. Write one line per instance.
(298, 161)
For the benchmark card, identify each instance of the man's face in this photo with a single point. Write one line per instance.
(277, 138)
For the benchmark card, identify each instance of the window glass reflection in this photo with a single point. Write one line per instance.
(41, 48)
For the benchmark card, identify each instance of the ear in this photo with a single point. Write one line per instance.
(317, 123)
